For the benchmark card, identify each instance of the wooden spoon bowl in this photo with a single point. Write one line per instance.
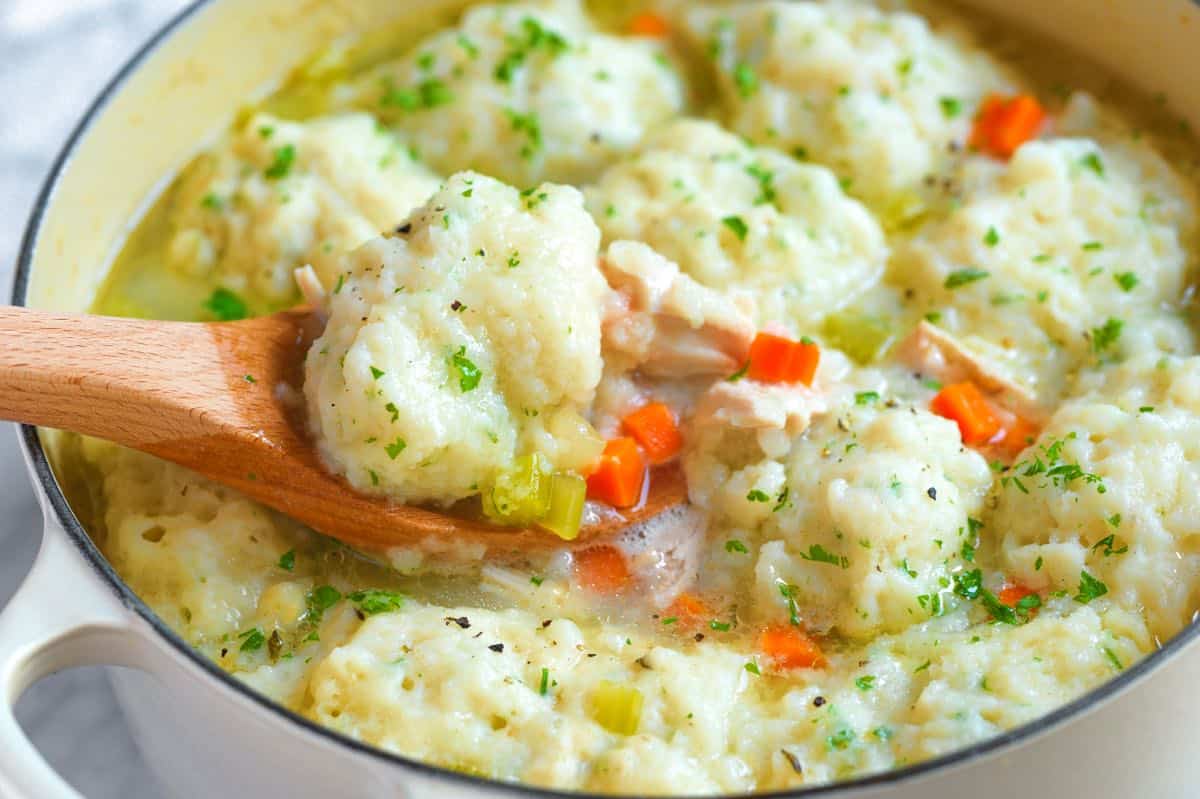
(223, 399)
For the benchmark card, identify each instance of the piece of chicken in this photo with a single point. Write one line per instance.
(777, 413)
(665, 322)
(935, 353)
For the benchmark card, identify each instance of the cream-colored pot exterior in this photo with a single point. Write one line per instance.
(206, 735)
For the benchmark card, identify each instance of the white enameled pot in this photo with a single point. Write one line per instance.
(205, 734)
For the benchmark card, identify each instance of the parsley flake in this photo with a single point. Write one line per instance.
(468, 373)
(1089, 588)
(226, 306)
(962, 277)
(281, 165)
(737, 225)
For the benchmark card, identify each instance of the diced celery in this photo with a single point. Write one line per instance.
(519, 495)
(617, 708)
(568, 492)
(860, 335)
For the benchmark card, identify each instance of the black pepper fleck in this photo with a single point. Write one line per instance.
(461, 621)
(793, 761)
(820, 700)
(404, 229)
(496, 647)
(932, 492)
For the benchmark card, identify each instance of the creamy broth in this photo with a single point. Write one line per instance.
(1066, 270)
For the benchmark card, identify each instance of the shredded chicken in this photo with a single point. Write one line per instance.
(670, 325)
(310, 286)
(776, 413)
(758, 406)
(936, 353)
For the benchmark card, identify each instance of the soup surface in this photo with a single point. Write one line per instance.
(916, 325)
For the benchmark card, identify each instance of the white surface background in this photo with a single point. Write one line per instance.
(55, 55)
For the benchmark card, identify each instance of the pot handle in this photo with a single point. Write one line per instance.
(60, 617)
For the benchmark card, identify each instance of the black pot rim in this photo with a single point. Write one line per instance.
(66, 518)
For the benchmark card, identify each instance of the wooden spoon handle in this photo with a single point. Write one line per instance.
(130, 381)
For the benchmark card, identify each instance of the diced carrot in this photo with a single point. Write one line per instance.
(654, 427)
(1012, 594)
(602, 569)
(775, 359)
(789, 647)
(1005, 123)
(1015, 435)
(648, 23)
(688, 609)
(965, 405)
(619, 475)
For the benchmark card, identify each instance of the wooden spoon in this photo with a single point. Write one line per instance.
(215, 398)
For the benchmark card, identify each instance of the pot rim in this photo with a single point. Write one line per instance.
(40, 467)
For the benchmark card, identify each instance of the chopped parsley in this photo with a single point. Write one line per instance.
(766, 183)
(819, 554)
(866, 397)
(536, 37)
(1109, 546)
(1092, 246)
(226, 306)
(1089, 588)
(1049, 462)
(737, 225)
(317, 601)
(781, 501)
(377, 373)
(1105, 336)
(740, 373)
(529, 125)
(287, 561)
(468, 46)
(752, 667)
(1126, 280)
(755, 495)
(1092, 161)
(281, 165)
(429, 93)
(468, 373)
(734, 545)
(951, 107)
(788, 592)
(866, 682)
(720, 626)
(992, 237)
(393, 410)
(394, 449)
(544, 686)
(252, 640)
(375, 600)
(514, 260)
(746, 80)
(249, 378)
(968, 584)
(212, 202)
(840, 739)
(962, 277)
